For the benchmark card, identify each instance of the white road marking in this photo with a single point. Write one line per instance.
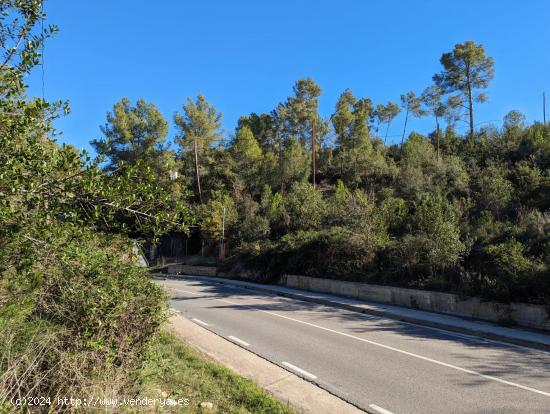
(459, 335)
(299, 370)
(240, 341)
(380, 409)
(432, 328)
(391, 348)
(200, 322)
(174, 310)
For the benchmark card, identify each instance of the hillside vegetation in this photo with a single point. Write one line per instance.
(463, 208)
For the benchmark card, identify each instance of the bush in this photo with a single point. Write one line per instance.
(305, 207)
(511, 275)
(430, 249)
(333, 253)
(77, 315)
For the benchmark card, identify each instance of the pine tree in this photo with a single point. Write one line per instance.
(199, 127)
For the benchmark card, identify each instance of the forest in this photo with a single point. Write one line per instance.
(294, 192)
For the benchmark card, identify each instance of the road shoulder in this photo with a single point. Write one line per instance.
(301, 395)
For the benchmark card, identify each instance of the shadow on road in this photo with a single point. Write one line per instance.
(495, 359)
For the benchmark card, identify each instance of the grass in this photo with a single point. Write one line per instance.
(175, 370)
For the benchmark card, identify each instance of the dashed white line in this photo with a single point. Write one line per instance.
(390, 348)
(200, 322)
(379, 409)
(299, 370)
(239, 341)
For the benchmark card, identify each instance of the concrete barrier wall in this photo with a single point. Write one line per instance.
(182, 269)
(522, 314)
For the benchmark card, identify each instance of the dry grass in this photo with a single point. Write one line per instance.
(175, 370)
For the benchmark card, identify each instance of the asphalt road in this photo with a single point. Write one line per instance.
(380, 365)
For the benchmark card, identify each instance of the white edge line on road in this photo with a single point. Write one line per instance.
(299, 370)
(200, 322)
(379, 409)
(391, 348)
(240, 341)
(468, 337)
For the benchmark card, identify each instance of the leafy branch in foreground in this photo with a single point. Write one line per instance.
(76, 313)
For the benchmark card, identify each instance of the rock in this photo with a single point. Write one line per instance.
(206, 404)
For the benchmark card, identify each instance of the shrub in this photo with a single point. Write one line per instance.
(76, 316)
(333, 253)
(434, 244)
(305, 207)
(511, 275)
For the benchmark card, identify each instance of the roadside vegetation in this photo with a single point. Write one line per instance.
(177, 371)
(76, 313)
(463, 208)
(289, 191)
(78, 317)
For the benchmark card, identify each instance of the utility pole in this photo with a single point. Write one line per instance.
(313, 150)
(222, 241)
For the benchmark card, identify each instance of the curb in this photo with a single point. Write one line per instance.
(295, 404)
(507, 340)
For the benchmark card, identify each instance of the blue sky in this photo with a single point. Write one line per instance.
(245, 56)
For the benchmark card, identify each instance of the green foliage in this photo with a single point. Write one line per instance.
(247, 151)
(76, 312)
(199, 128)
(298, 113)
(21, 44)
(251, 225)
(77, 304)
(433, 213)
(494, 190)
(422, 171)
(335, 252)
(465, 69)
(263, 128)
(393, 209)
(183, 373)
(219, 211)
(272, 205)
(247, 155)
(513, 274)
(385, 114)
(200, 122)
(304, 207)
(132, 134)
(294, 164)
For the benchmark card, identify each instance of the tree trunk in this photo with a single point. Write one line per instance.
(313, 151)
(405, 126)
(438, 133)
(195, 149)
(470, 105)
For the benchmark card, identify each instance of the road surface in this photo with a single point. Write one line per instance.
(378, 364)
